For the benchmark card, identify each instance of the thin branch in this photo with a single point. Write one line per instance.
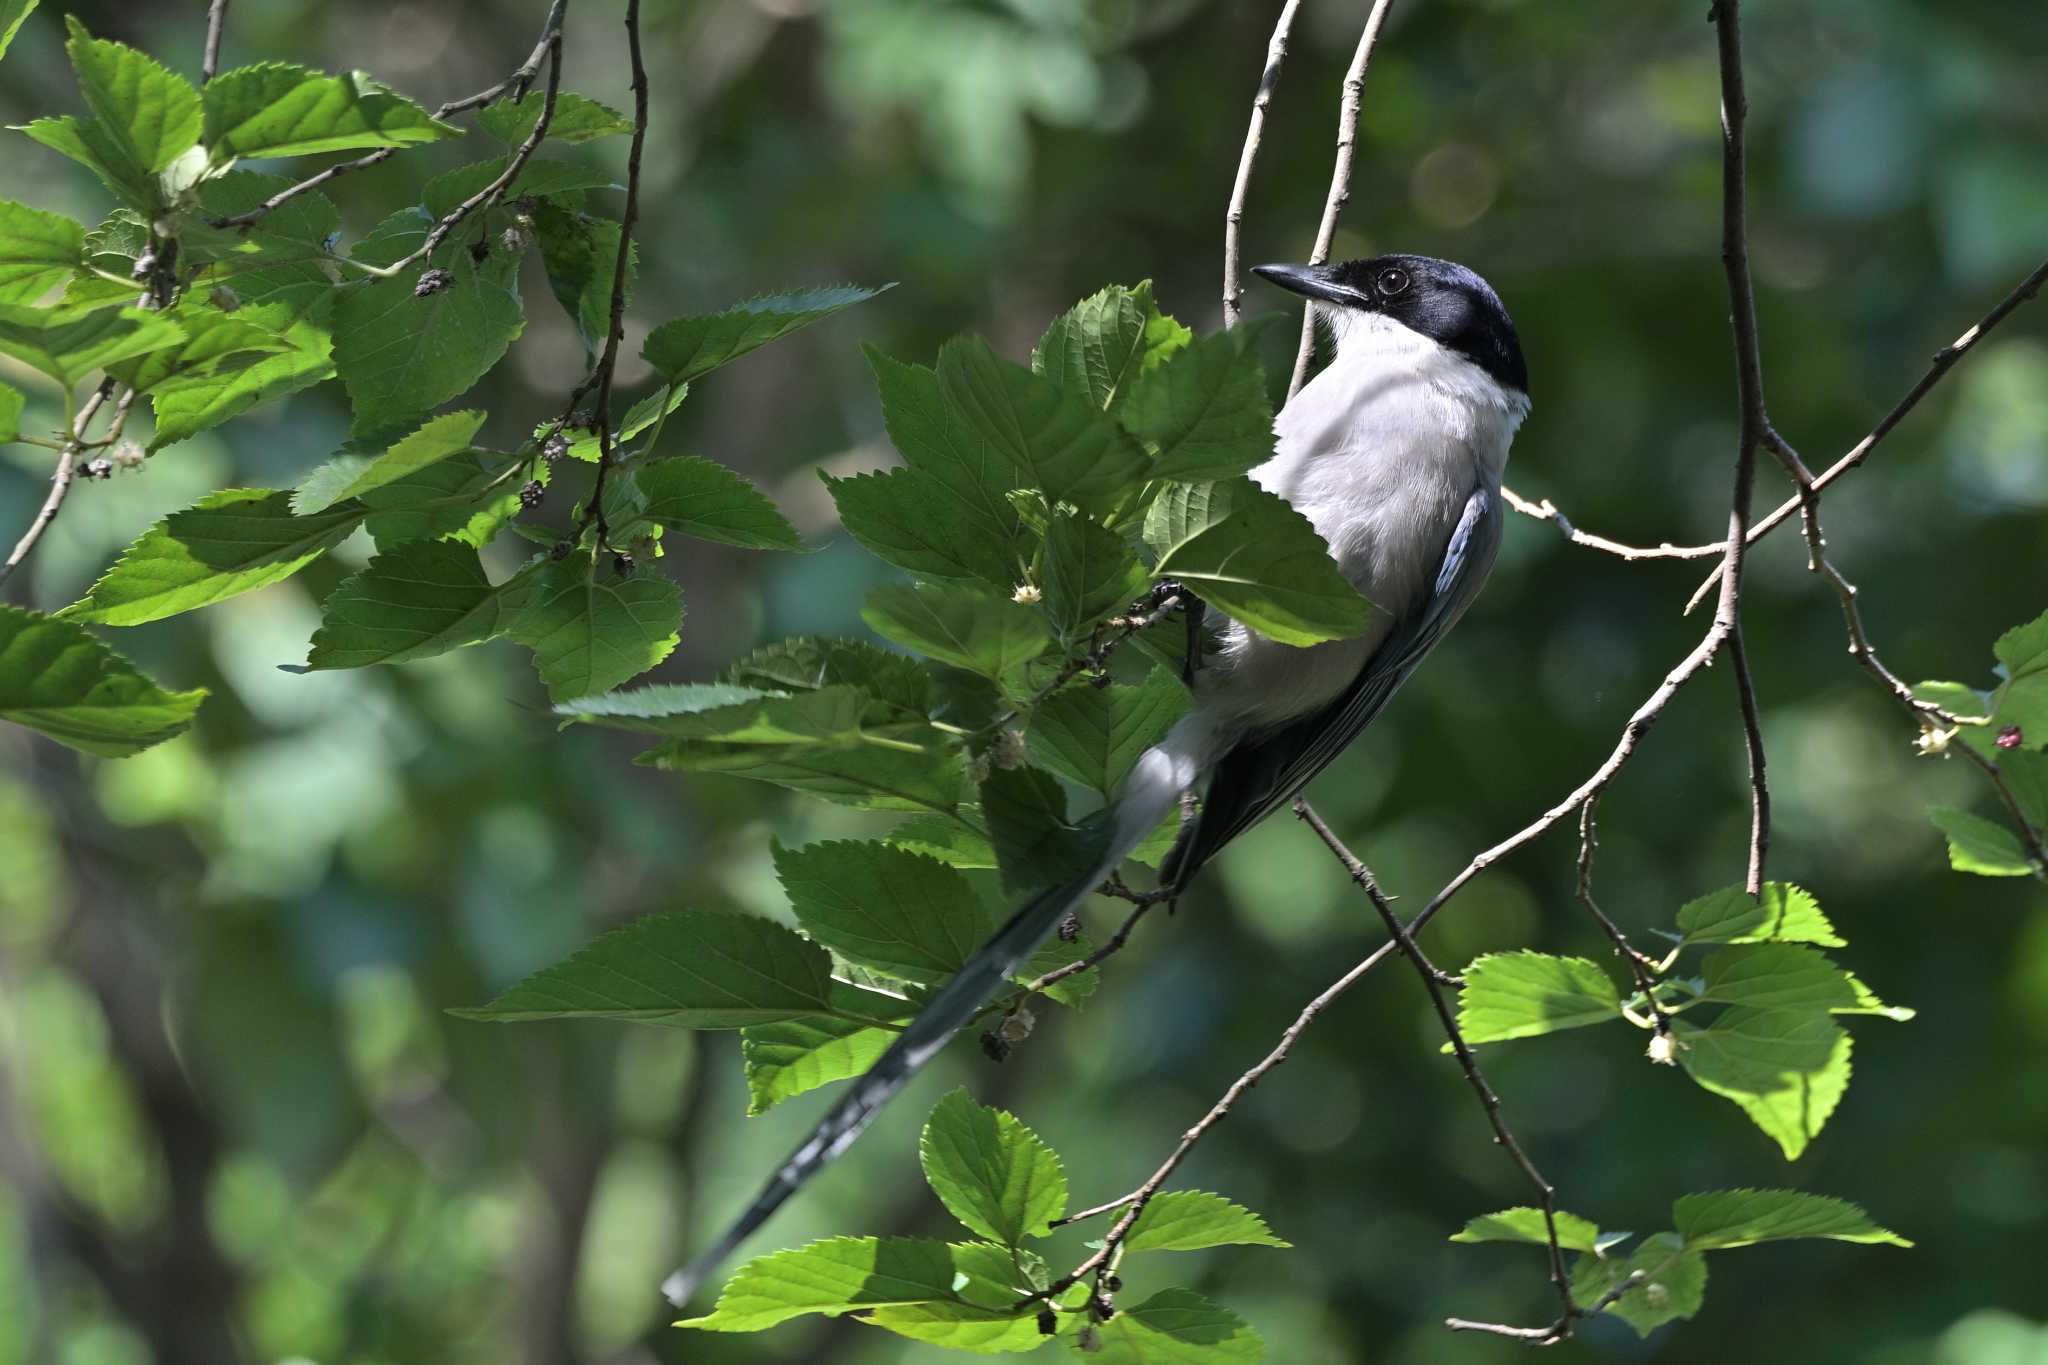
(490, 194)
(216, 20)
(61, 478)
(1340, 175)
(1547, 510)
(1640, 965)
(1433, 981)
(519, 81)
(617, 330)
(1944, 360)
(1269, 81)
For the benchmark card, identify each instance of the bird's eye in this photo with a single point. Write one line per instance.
(1393, 280)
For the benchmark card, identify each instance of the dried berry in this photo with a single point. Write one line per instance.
(561, 550)
(1048, 1322)
(2010, 737)
(555, 447)
(995, 1047)
(432, 282)
(99, 467)
(1070, 928)
(530, 494)
(622, 563)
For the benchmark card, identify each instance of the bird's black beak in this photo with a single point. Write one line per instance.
(1313, 281)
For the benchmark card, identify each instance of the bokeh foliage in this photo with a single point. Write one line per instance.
(304, 882)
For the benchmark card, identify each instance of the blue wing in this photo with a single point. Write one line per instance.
(1266, 770)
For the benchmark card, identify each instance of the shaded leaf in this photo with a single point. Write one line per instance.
(948, 840)
(847, 1274)
(38, 251)
(68, 346)
(215, 343)
(1177, 1327)
(1204, 412)
(690, 969)
(1088, 573)
(150, 113)
(956, 469)
(12, 14)
(581, 254)
(898, 912)
(694, 496)
(1675, 1283)
(11, 403)
(956, 625)
(807, 663)
(1027, 819)
(907, 518)
(1776, 976)
(96, 149)
(1094, 735)
(1097, 347)
(590, 633)
(56, 678)
(681, 350)
(792, 1056)
(352, 475)
(414, 601)
(577, 118)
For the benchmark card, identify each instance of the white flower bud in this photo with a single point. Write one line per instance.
(1934, 742)
(1663, 1049)
(1017, 1027)
(1027, 594)
(1009, 750)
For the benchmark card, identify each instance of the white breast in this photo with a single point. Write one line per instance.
(1380, 452)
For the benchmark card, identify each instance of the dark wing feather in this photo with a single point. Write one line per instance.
(1266, 770)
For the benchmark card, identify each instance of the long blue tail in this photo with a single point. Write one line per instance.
(1155, 784)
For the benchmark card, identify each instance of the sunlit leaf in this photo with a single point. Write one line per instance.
(352, 475)
(681, 350)
(38, 251)
(1103, 343)
(1247, 552)
(1788, 1069)
(1782, 914)
(58, 679)
(68, 346)
(590, 631)
(1674, 1285)
(847, 1274)
(414, 601)
(149, 112)
(992, 1173)
(886, 908)
(1523, 994)
(277, 109)
(1527, 1225)
(1177, 1327)
(1982, 846)
(1188, 1220)
(1740, 1218)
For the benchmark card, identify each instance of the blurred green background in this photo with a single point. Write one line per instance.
(235, 1123)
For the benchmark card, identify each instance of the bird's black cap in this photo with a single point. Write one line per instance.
(1442, 300)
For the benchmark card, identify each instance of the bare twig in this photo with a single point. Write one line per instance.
(61, 477)
(1269, 81)
(1640, 965)
(1340, 175)
(608, 362)
(1944, 360)
(1547, 510)
(516, 84)
(1434, 982)
(216, 20)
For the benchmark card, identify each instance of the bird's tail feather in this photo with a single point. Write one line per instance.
(1154, 785)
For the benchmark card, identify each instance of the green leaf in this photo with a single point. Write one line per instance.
(1776, 976)
(1740, 1218)
(94, 148)
(907, 518)
(1097, 347)
(558, 182)
(68, 346)
(957, 625)
(1788, 1069)
(2022, 698)
(1783, 914)
(681, 350)
(697, 497)
(660, 709)
(850, 1274)
(590, 633)
(948, 840)
(1675, 1283)
(2026, 772)
(215, 343)
(1245, 551)
(12, 14)
(830, 742)
(1188, 1220)
(1027, 819)
(38, 251)
(690, 969)
(351, 475)
(229, 542)
(581, 254)
(952, 468)
(807, 663)
(465, 496)
(1093, 735)
(991, 1172)
(1867, 1002)
(414, 601)
(150, 113)
(997, 1278)
(277, 109)
(1981, 846)
(1523, 994)
(11, 403)
(1056, 441)
(792, 1056)
(184, 408)
(642, 415)
(1205, 411)
(577, 118)
(401, 355)
(886, 908)
(1089, 573)
(1177, 1327)
(1526, 1225)
(58, 679)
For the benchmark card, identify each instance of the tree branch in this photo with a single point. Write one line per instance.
(216, 20)
(608, 362)
(1269, 81)
(1340, 176)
